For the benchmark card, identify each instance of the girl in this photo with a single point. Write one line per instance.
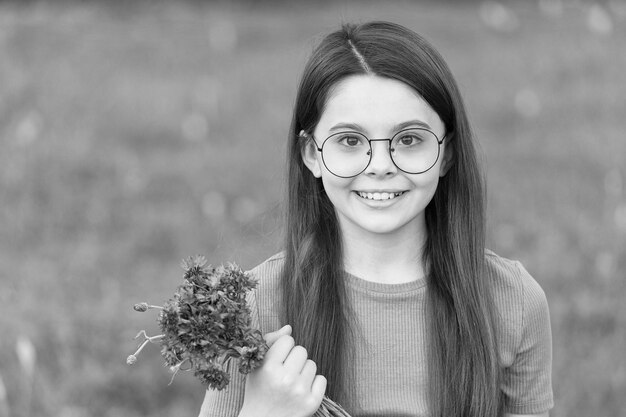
(391, 304)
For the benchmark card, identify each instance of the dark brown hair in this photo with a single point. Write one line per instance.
(463, 363)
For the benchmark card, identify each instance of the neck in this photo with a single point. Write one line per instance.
(391, 258)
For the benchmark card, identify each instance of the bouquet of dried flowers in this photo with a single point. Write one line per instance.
(207, 323)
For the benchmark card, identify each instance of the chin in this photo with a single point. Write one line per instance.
(382, 229)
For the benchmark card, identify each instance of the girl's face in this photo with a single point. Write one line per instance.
(378, 108)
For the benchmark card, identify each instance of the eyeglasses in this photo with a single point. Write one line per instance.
(348, 154)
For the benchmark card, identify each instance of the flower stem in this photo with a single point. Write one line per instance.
(148, 339)
(174, 369)
(141, 307)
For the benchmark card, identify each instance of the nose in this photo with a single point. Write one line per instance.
(381, 162)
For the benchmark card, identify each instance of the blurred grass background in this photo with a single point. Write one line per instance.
(135, 134)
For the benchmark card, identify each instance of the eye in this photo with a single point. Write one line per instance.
(351, 140)
(409, 139)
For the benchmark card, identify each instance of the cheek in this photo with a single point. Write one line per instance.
(433, 188)
(337, 189)
(445, 160)
(427, 185)
(332, 182)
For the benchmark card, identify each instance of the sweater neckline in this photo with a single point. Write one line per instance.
(370, 286)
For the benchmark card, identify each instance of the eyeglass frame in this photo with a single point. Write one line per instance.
(304, 134)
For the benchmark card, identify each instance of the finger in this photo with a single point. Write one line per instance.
(319, 387)
(308, 371)
(272, 337)
(296, 359)
(280, 349)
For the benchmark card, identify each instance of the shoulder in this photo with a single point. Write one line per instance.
(266, 299)
(268, 272)
(274, 261)
(509, 279)
(520, 303)
(522, 323)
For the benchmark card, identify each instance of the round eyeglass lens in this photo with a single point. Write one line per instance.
(415, 150)
(346, 154)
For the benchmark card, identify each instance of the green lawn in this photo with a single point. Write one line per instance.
(131, 137)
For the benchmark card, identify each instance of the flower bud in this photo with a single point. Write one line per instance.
(131, 359)
(141, 307)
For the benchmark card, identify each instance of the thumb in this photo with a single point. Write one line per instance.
(271, 337)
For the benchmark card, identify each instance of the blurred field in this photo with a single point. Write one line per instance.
(131, 137)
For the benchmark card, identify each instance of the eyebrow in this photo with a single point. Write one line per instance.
(399, 126)
(410, 123)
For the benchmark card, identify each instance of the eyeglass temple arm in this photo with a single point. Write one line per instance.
(305, 135)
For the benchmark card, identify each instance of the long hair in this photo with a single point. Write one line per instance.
(462, 361)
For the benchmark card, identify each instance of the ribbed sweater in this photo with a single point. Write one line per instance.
(389, 367)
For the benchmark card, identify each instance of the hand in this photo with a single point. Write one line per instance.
(286, 384)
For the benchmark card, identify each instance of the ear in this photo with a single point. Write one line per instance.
(310, 156)
(447, 160)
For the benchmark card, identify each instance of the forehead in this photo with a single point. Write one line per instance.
(377, 104)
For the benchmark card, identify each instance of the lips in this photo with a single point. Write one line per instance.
(379, 195)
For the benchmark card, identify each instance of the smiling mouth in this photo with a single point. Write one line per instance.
(379, 196)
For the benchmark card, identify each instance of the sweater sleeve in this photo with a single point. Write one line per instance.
(527, 384)
(225, 403)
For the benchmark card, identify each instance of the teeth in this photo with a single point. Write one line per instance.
(379, 196)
